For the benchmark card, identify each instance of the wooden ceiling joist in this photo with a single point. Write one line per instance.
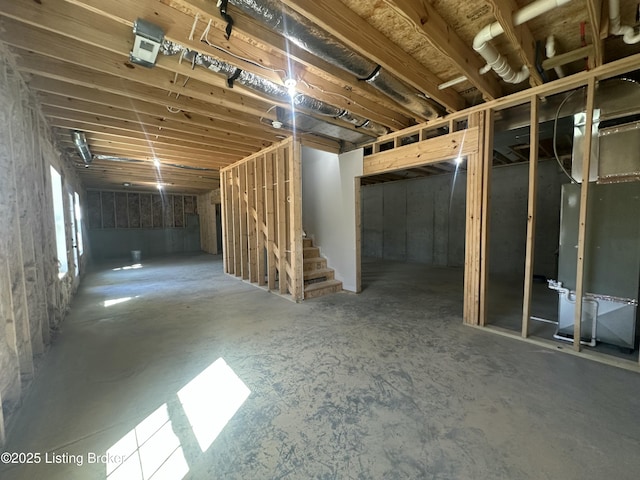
(312, 71)
(357, 34)
(427, 22)
(519, 35)
(178, 26)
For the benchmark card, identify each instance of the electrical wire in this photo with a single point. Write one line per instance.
(326, 92)
(204, 38)
(262, 117)
(555, 133)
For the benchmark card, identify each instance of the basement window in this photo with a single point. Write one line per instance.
(78, 212)
(58, 213)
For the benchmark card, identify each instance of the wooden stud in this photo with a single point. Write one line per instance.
(473, 239)
(582, 225)
(259, 167)
(487, 164)
(358, 207)
(237, 255)
(295, 220)
(269, 179)
(251, 220)
(531, 215)
(281, 214)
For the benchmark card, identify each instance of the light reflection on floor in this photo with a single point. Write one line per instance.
(152, 450)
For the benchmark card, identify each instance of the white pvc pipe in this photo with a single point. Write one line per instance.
(482, 45)
(551, 52)
(462, 78)
(627, 32)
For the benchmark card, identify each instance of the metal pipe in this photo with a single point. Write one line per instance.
(80, 141)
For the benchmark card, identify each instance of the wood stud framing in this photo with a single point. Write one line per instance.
(108, 209)
(582, 223)
(531, 215)
(479, 162)
(262, 201)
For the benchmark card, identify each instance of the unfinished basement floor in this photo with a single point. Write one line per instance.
(387, 384)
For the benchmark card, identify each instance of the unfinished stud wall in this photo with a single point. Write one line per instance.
(262, 219)
(155, 224)
(423, 220)
(209, 220)
(33, 299)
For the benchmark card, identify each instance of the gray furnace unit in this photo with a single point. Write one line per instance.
(612, 249)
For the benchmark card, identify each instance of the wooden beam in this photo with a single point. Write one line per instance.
(487, 164)
(260, 218)
(582, 223)
(531, 214)
(269, 179)
(61, 78)
(244, 216)
(119, 17)
(247, 31)
(202, 85)
(425, 21)
(438, 149)
(295, 221)
(90, 100)
(520, 36)
(471, 306)
(357, 34)
(281, 213)
(594, 8)
(67, 108)
(252, 228)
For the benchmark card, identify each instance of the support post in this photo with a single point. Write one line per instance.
(582, 224)
(531, 215)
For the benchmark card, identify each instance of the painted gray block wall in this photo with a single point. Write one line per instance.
(423, 220)
(117, 243)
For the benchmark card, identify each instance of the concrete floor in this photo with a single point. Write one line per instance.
(387, 384)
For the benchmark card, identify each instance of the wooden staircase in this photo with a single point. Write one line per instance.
(318, 279)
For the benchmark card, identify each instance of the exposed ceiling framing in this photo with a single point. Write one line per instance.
(74, 54)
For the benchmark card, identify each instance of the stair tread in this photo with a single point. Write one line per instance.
(321, 285)
(313, 259)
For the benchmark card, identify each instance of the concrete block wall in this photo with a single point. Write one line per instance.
(423, 220)
(33, 299)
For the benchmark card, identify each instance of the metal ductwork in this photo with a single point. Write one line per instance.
(308, 36)
(274, 91)
(82, 147)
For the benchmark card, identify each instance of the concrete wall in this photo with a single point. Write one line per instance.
(508, 228)
(328, 208)
(117, 243)
(420, 220)
(423, 220)
(33, 299)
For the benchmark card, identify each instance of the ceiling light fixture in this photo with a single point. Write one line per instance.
(126, 184)
(147, 43)
(458, 160)
(276, 124)
(291, 83)
(159, 186)
(156, 163)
